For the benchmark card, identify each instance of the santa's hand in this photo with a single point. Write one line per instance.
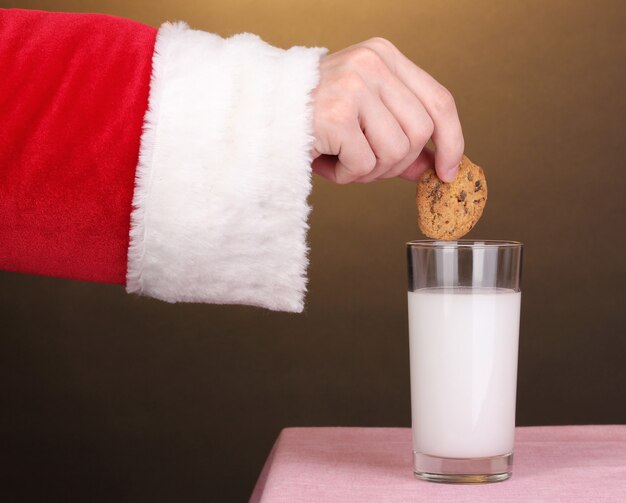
(374, 111)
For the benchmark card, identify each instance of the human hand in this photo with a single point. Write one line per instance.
(373, 113)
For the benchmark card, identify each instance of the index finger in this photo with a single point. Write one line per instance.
(438, 102)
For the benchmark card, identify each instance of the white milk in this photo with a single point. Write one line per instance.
(463, 345)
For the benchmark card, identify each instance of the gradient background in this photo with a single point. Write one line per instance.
(108, 397)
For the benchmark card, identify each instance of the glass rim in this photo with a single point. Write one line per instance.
(464, 243)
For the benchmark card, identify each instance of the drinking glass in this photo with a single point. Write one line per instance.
(464, 308)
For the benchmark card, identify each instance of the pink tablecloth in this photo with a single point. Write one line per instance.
(552, 464)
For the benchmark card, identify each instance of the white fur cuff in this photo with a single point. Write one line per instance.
(220, 205)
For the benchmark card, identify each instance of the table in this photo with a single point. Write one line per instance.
(552, 464)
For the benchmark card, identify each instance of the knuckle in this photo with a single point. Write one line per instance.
(428, 128)
(399, 150)
(370, 163)
(422, 133)
(367, 58)
(364, 168)
(381, 43)
(443, 101)
(353, 83)
(339, 113)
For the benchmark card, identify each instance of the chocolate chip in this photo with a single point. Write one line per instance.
(478, 186)
(436, 192)
(461, 196)
(469, 176)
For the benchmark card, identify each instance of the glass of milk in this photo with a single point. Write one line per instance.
(464, 310)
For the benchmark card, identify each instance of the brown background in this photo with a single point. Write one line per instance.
(107, 397)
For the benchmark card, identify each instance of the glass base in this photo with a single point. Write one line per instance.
(462, 470)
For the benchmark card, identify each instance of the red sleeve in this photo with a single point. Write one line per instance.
(73, 94)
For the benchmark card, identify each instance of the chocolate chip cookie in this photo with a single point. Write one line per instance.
(448, 211)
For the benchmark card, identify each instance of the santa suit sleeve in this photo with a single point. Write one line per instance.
(172, 161)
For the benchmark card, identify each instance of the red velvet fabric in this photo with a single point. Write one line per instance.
(73, 94)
